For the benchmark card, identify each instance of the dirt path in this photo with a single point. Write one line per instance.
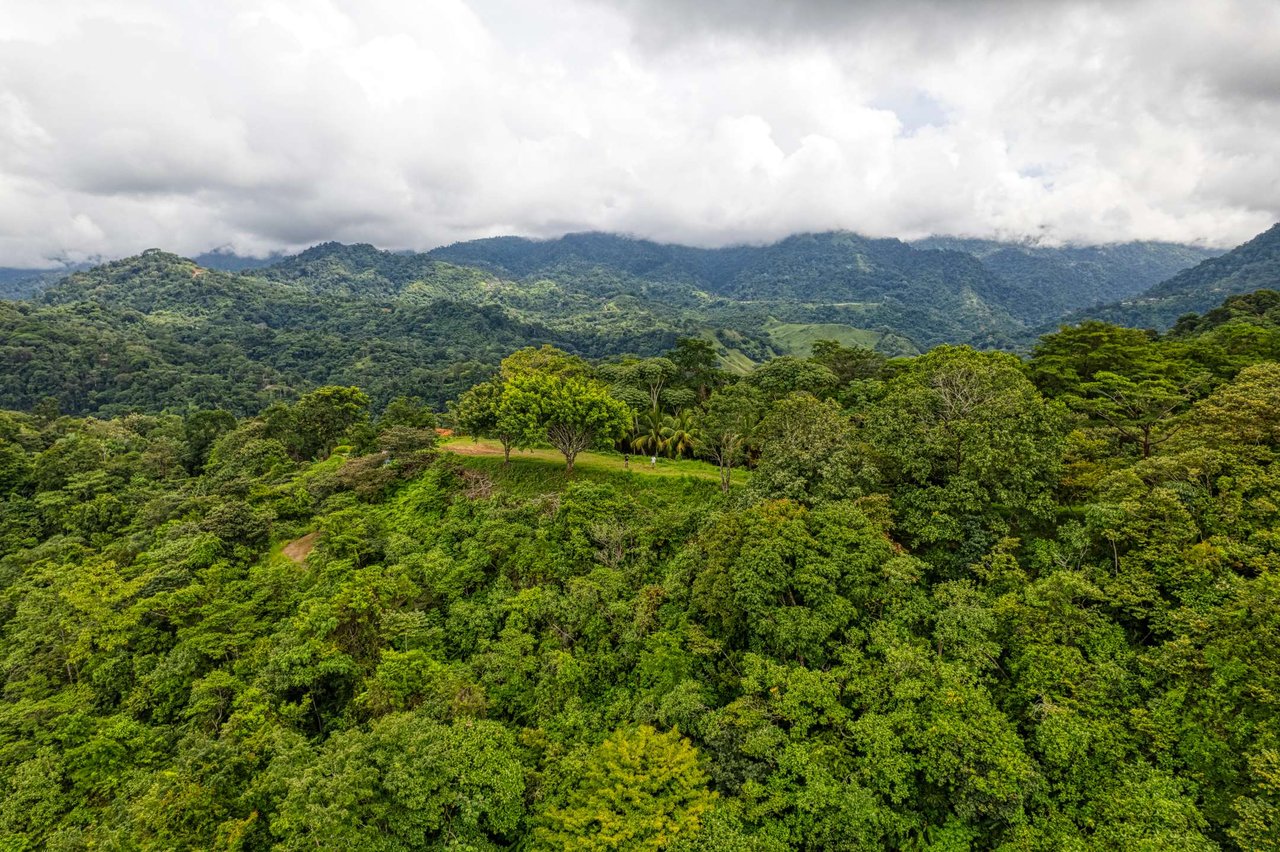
(300, 548)
(472, 449)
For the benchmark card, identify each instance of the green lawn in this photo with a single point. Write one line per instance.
(547, 461)
(798, 338)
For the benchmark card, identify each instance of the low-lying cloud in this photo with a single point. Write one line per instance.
(275, 124)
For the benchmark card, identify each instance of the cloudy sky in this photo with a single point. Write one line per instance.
(269, 124)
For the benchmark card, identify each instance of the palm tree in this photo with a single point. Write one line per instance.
(648, 435)
(678, 434)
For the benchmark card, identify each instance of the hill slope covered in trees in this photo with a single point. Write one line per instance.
(1249, 267)
(159, 331)
(956, 601)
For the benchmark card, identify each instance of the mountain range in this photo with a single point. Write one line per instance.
(1252, 266)
(159, 330)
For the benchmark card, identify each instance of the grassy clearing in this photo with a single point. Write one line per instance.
(545, 463)
(798, 338)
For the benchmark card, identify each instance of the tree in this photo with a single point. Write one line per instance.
(678, 436)
(572, 412)
(807, 451)
(1063, 361)
(781, 376)
(645, 383)
(727, 424)
(1123, 378)
(847, 362)
(1142, 411)
(647, 434)
(544, 360)
(407, 411)
(639, 790)
(312, 426)
(483, 412)
(966, 445)
(696, 369)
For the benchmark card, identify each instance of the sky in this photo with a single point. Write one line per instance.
(268, 125)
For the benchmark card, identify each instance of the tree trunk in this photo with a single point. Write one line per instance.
(726, 473)
(568, 463)
(506, 454)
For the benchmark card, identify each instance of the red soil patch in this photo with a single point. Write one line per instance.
(300, 548)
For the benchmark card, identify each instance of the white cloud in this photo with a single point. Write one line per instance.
(279, 123)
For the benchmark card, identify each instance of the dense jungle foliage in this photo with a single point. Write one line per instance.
(960, 601)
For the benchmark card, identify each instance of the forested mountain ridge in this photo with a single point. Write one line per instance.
(157, 330)
(958, 601)
(935, 290)
(1255, 265)
(1052, 282)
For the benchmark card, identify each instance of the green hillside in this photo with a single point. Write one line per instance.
(1252, 266)
(798, 338)
(158, 331)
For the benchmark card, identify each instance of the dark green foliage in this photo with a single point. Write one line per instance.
(1046, 283)
(1252, 266)
(160, 332)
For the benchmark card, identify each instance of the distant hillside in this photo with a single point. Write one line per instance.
(18, 283)
(1051, 282)
(1252, 266)
(229, 261)
(158, 330)
(938, 290)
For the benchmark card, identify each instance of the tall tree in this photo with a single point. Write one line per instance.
(967, 446)
(727, 424)
(785, 375)
(807, 451)
(696, 369)
(572, 412)
(847, 362)
(646, 383)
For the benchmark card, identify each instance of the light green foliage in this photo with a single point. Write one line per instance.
(572, 412)
(927, 622)
(484, 412)
(639, 790)
(678, 435)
